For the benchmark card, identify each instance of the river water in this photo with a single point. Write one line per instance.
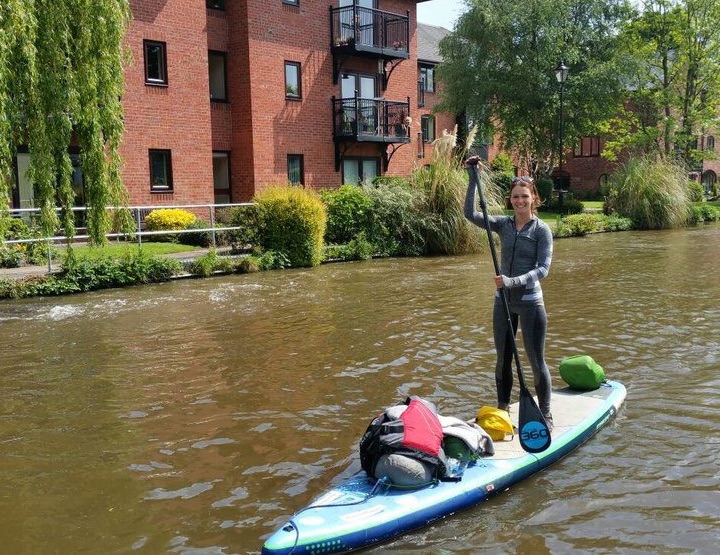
(196, 416)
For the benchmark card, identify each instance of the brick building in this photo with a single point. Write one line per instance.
(225, 97)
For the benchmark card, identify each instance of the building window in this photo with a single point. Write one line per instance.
(295, 169)
(356, 170)
(427, 78)
(293, 88)
(221, 177)
(710, 143)
(427, 124)
(587, 147)
(217, 62)
(291, 2)
(160, 171)
(155, 63)
(215, 4)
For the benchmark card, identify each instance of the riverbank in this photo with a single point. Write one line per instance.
(29, 270)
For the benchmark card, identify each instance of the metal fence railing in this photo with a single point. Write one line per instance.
(136, 235)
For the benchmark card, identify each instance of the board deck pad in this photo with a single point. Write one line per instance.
(362, 512)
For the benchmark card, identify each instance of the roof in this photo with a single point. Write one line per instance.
(429, 37)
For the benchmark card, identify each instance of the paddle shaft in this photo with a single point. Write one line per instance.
(503, 294)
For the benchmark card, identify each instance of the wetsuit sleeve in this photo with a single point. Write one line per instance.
(544, 259)
(471, 212)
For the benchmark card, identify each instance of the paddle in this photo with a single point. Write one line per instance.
(534, 433)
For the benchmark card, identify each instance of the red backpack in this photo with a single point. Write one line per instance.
(415, 433)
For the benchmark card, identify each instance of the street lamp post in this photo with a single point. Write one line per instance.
(562, 179)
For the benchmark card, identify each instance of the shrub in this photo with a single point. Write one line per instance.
(545, 189)
(11, 256)
(652, 193)
(696, 191)
(247, 219)
(201, 238)
(704, 212)
(293, 222)
(247, 265)
(396, 227)
(358, 248)
(349, 213)
(210, 263)
(168, 219)
(578, 225)
(502, 163)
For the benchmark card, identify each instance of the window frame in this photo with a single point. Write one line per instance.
(167, 187)
(300, 159)
(361, 161)
(428, 84)
(587, 147)
(217, 5)
(215, 54)
(425, 120)
(291, 2)
(162, 80)
(298, 67)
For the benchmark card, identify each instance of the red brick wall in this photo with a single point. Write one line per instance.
(176, 117)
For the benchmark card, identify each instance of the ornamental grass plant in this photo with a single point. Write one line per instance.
(444, 183)
(653, 193)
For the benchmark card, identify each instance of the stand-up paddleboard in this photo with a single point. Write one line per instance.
(362, 512)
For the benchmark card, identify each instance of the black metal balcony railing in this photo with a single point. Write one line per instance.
(370, 31)
(369, 119)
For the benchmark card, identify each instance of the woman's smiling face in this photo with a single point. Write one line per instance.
(522, 199)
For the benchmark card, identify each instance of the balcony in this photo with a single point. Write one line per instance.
(373, 120)
(368, 33)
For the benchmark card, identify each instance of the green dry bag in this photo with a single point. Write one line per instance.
(581, 372)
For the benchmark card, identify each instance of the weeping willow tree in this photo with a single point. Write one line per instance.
(61, 80)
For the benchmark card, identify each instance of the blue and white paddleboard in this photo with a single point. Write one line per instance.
(360, 512)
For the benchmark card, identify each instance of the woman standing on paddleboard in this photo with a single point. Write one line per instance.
(526, 246)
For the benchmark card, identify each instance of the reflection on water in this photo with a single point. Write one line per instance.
(196, 416)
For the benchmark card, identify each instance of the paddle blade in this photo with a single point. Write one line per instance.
(533, 430)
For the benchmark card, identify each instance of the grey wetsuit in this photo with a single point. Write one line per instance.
(525, 259)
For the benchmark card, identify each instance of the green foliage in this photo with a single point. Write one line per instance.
(201, 238)
(210, 263)
(669, 57)
(358, 248)
(245, 217)
(349, 213)
(498, 68)
(398, 224)
(247, 265)
(695, 191)
(293, 222)
(652, 193)
(578, 225)
(273, 260)
(704, 212)
(11, 256)
(444, 184)
(502, 163)
(89, 274)
(34, 252)
(61, 79)
(545, 189)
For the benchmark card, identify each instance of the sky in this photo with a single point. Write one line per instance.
(442, 13)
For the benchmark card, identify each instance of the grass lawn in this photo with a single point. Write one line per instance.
(118, 250)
